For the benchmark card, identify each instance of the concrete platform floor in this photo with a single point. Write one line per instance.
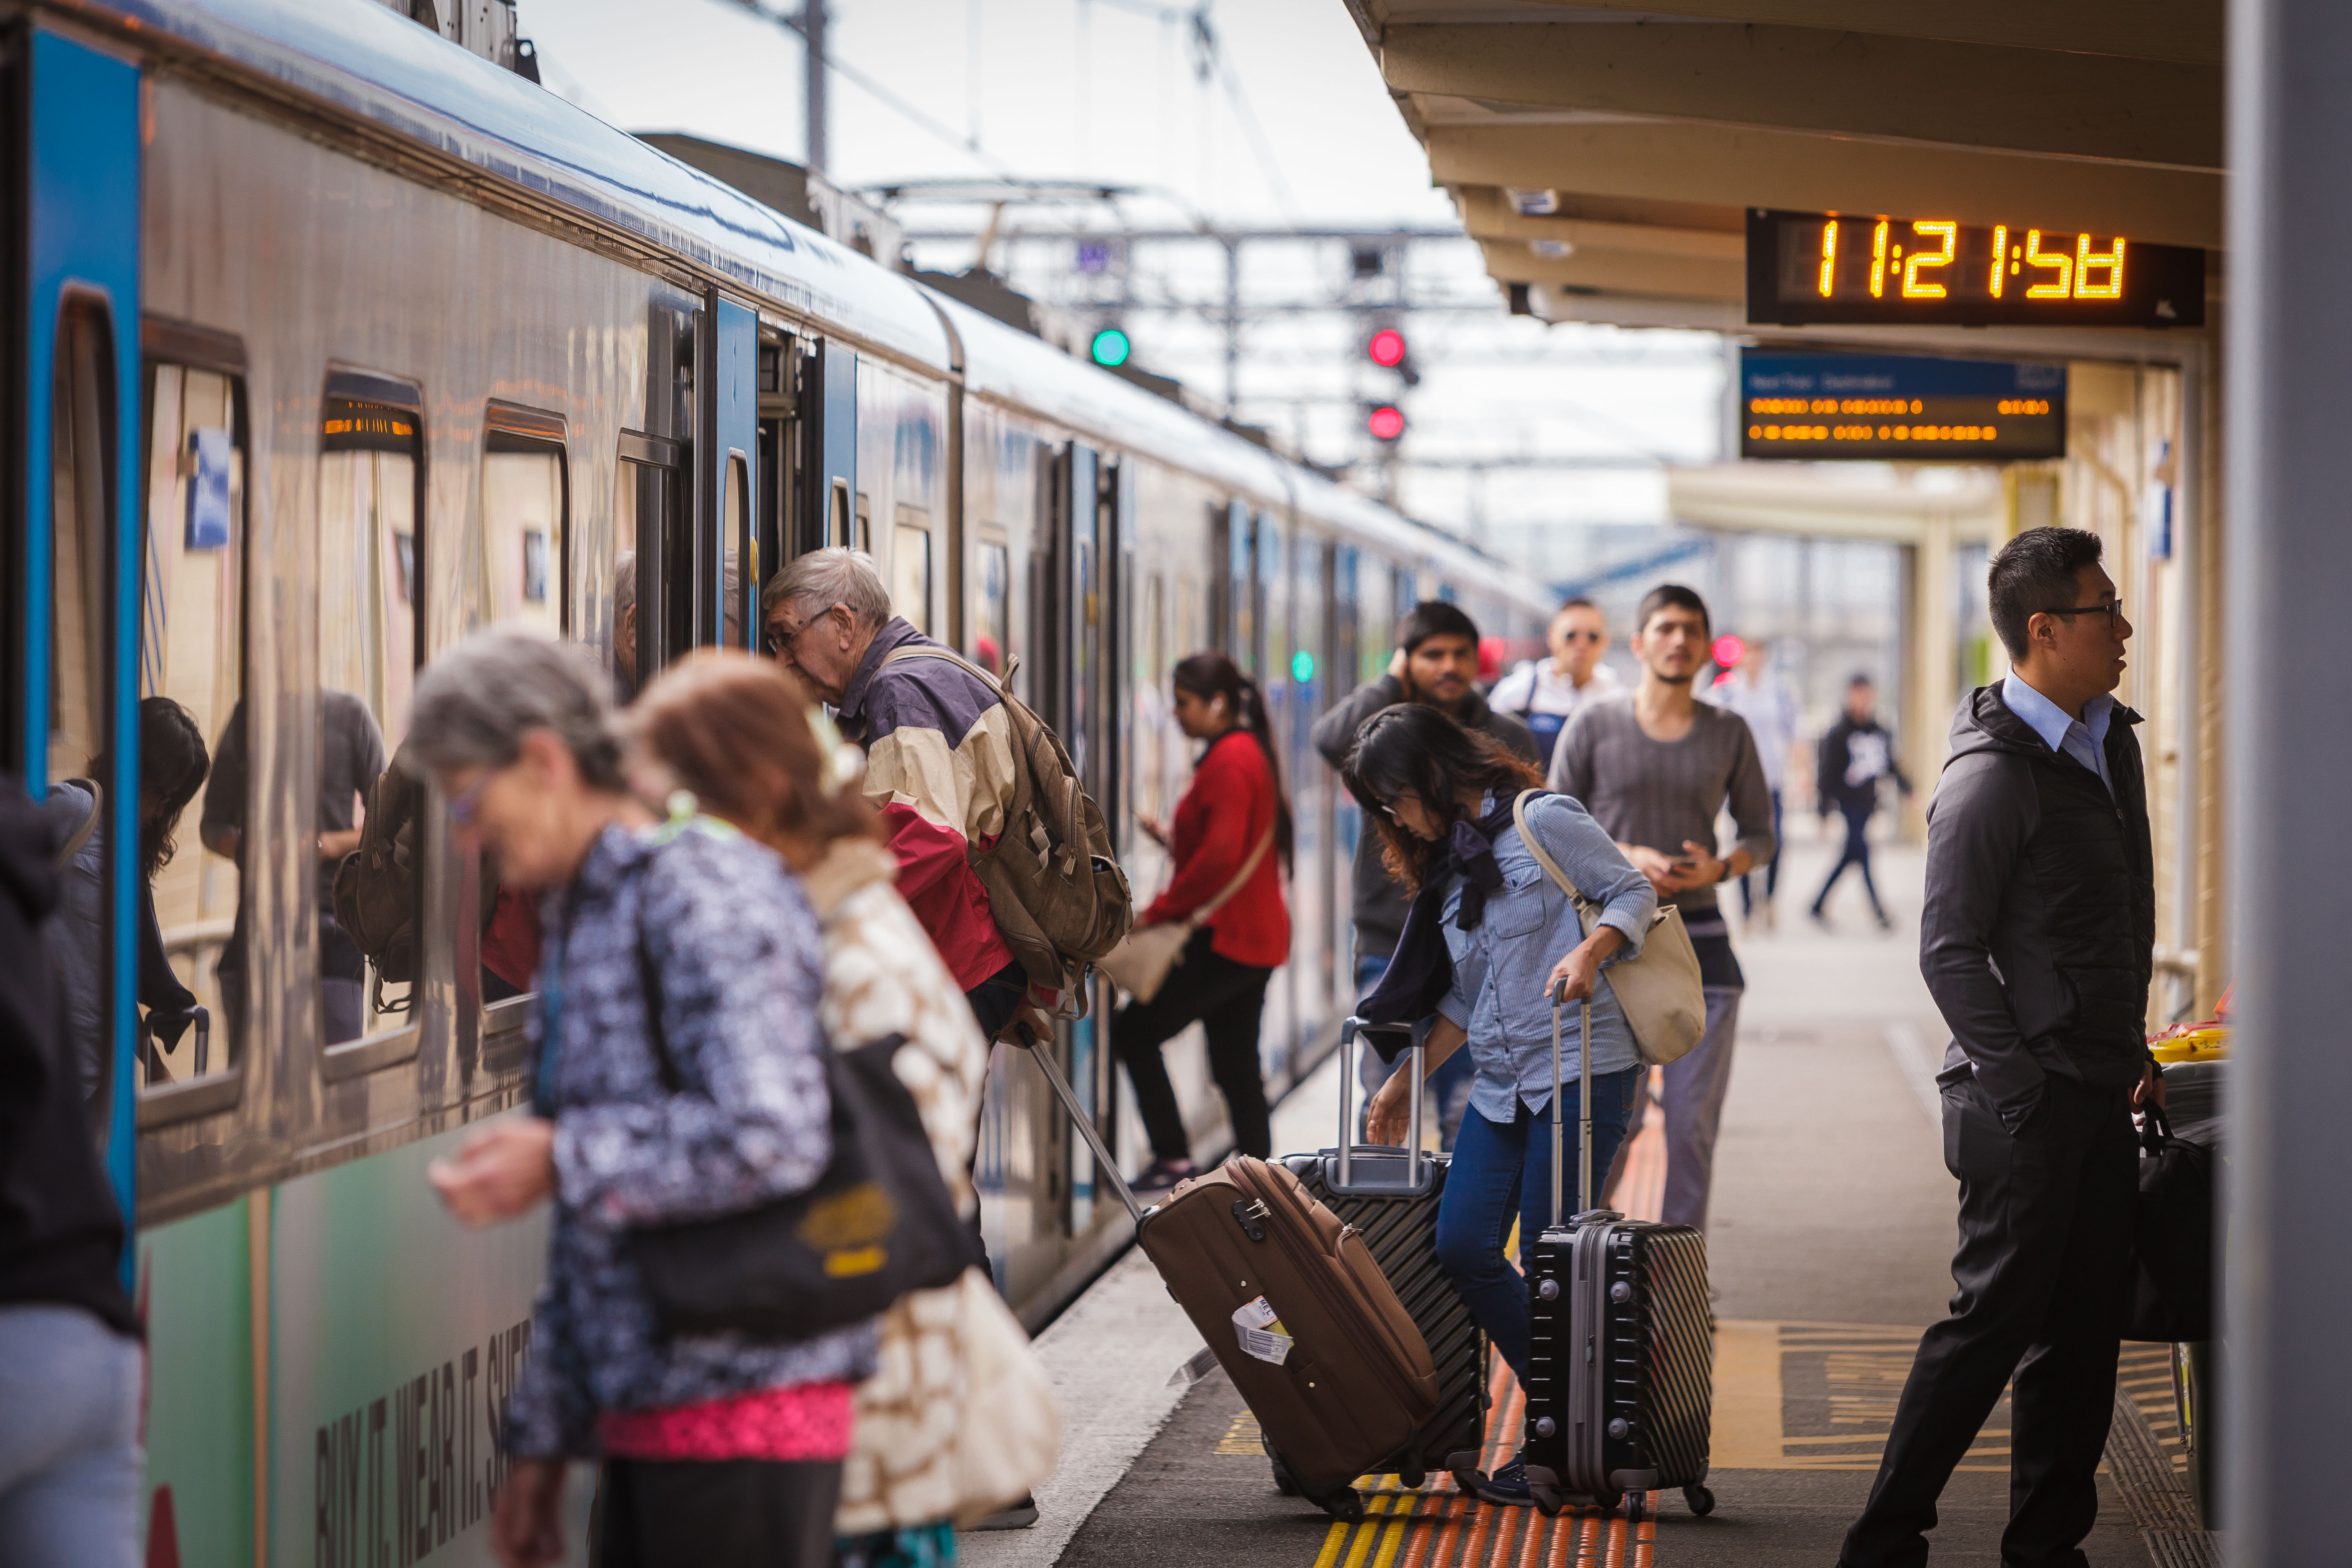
(1831, 1229)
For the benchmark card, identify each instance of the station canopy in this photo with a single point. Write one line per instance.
(1605, 155)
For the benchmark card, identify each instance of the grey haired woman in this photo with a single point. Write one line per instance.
(718, 1450)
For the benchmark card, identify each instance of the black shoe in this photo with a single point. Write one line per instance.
(1884, 923)
(1508, 1486)
(1163, 1174)
(1818, 919)
(1020, 1516)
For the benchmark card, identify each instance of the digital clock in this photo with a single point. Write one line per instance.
(1858, 268)
(1886, 407)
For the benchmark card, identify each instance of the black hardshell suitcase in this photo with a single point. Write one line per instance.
(1621, 1357)
(1391, 1196)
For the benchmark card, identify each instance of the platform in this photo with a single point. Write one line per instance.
(1829, 1244)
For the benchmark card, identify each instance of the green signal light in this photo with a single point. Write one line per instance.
(1110, 348)
(1302, 666)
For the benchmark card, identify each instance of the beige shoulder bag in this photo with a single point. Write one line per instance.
(1658, 989)
(1140, 963)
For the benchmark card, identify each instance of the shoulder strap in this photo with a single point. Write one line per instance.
(1536, 849)
(1200, 917)
(81, 836)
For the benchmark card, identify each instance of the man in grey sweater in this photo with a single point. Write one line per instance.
(1436, 663)
(1654, 768)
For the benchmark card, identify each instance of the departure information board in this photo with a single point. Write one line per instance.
(1883, 407)
(1852, 267)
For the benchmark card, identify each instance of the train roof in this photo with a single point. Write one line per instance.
(368, 61)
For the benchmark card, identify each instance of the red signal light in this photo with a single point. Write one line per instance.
(1727, 651)
(1386, 423)
(1387, 348)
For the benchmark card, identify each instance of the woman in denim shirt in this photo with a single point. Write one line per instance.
(1442, 799)
(718, 1449)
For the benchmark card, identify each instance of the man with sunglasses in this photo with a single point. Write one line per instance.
(1546, 693)
(2036, 942)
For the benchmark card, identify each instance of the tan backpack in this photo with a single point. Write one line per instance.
(1055, 886)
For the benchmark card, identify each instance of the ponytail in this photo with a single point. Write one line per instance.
(1209, 676)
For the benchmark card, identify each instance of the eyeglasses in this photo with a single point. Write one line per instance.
(2113, 609)
(780, 643)
(1583, 636)
(1388, 808)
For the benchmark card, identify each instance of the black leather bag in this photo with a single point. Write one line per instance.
(2172, 1238)
(880, 1223)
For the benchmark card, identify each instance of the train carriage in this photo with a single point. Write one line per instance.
(332, 341)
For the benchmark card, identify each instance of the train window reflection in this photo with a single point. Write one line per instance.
(741, 542)
(190, 678)
(81, 460)
(527, 545)
(992, 635)
(911, 567)
(369, 572)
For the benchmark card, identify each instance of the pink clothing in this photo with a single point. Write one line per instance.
(802, 1421)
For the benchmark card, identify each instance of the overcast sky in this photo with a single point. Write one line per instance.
(1292, 125)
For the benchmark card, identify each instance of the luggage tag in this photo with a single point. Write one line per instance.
(1261, 1332)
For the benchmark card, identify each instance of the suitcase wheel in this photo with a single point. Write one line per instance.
(1346, 1504)
(1608, 1500)
(1284, 1481)
(1636, 1504)
(1549, 1502)
(1700, 1500)
(1411, 1480)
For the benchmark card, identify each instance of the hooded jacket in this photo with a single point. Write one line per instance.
(2040, 918)
(1381, 899)
(60, 1232)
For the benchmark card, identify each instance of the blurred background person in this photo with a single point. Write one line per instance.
(1232, 837)
(72, 1372)
(1856, 753)
(171, 768)
(1544, 694)
(1778, 721)
(1436, 663)
(716, 1448)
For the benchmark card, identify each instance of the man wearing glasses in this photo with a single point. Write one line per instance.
(1544, 694)
(2036, 943)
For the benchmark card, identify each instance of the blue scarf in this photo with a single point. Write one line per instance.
(1422, 972)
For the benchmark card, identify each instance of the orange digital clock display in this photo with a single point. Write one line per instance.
(1806, 267)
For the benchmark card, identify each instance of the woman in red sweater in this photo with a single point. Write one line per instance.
(1231, 843)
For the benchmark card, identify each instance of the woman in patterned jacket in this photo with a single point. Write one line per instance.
(718, 1450)
(937, 1440)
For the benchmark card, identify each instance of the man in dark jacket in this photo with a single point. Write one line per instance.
(70, 1366)
(2036, 942)
(1855, 754)
(1435, 662)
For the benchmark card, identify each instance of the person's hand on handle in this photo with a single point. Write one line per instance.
(2149, 1090)
(526, 1521)
(1389, 1116)
(1573, 977)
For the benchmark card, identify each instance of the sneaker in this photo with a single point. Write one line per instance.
(1508, 1486)
(1819, 918)
(1886, 922)
(1020, 1516)
(1163, 1174)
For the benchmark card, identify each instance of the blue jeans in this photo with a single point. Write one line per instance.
(1502, 1172)
(1449, 1086)
(70, 1466)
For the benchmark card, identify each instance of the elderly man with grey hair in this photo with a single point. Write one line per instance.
(939, 764)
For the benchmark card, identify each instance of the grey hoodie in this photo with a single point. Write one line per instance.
(2040, 918)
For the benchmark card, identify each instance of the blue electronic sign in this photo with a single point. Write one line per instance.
(1884, 407)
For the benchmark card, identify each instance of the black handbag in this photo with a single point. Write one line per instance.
(2172, 1238)
(878, 1224)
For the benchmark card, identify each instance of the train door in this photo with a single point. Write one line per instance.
(1278, 1039)
(72, 569)
(1309, 783)
(1345, 638)
(726, 438)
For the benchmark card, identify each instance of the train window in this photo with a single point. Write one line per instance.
(191, 682)
(865, 538)
(911, 567)
(80, 624)
(743, 554)
(992, 640)
(526, 570)
(837, 514)
(370, 566)
(631, 630)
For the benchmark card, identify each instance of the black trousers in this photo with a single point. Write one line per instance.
(716, 1514)
(1227, 999)
(2043, 1270)
(1857, 853)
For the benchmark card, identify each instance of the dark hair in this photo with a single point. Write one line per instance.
(1858, 678)
(1434, 618)
(1671, 596)
(1208, 674)
(2032, 573)
(735, 731)
(1412, 749)
(173, 766)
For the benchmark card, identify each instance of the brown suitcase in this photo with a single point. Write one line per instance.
(1294, 1308)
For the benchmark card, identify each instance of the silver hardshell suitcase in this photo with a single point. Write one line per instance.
(1620, 1394)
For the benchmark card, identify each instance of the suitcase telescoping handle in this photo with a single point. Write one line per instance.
(1352, 1033)
(1583, 1102)
(1042, 1053)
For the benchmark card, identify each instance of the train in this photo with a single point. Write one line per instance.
(335, 340)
